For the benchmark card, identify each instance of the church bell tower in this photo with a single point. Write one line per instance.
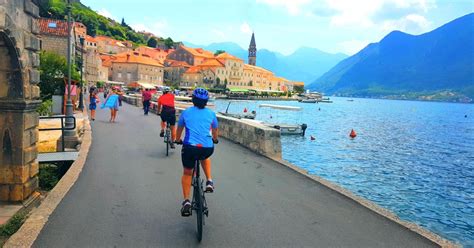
(252, 51)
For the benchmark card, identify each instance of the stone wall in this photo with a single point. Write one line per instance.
(54, 44)
(19, 98)
(256, 137)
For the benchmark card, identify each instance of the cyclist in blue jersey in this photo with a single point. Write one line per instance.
(201, 134)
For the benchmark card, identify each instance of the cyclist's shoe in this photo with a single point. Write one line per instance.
(186, 209)
(209, 187)
(172, 146)
(162, 133)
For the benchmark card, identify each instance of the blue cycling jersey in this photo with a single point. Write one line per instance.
(198, 124)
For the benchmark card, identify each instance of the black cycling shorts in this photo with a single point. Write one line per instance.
(168, 115)
(189, 154)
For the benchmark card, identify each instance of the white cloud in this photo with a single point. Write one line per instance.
(219, 33)
(293, 6)
(366, 13)
(351, 47)
(105, 13)
(158, 28)
(414, 24)
(245, 28)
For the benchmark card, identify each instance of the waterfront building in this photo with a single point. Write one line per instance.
(134, 67)
(192, 56)
(174, 70)
(154, 53)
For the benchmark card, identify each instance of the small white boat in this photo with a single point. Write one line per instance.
(286, 129)
(308, 100)
(245, 115)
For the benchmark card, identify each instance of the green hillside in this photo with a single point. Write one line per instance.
(96, 24)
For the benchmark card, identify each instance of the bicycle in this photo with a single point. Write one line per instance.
(167, 138)
(198, 203)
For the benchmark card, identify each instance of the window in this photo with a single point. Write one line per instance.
(119, 75)
(129, 76)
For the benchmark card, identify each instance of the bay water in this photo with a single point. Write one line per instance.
(414, 158)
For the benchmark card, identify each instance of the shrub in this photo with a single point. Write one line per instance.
(45, 109)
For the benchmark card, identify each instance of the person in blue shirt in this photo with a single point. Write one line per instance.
(201, 134)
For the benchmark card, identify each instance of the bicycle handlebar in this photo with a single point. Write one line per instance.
(180, 142)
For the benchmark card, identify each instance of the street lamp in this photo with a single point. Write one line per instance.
(81, 96)
(69, 123)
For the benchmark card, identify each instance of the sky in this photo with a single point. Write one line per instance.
(334, 26)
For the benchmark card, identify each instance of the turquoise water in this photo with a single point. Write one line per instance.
(414, 158)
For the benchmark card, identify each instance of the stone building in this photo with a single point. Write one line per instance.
(192, 56)
(154, 53)
(174, 70)
(19, 98)
(53, 34)
(111, 46)
(92, 61)
(134, 67)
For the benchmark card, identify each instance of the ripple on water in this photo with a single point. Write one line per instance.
(414, 158)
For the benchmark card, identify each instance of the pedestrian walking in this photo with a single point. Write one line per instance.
(106, 91)
(112, 103)
(93, 100)
(146, 97)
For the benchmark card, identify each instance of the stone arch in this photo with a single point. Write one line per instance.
(11, 79)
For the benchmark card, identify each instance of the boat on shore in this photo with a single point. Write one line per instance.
(285, 128)
(245, 115)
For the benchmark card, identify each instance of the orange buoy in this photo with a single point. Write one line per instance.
(313, 138)
(245, 110)
(353, 134)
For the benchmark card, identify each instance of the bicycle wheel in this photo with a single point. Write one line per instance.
(167, 145)
(199, 208)
(167, 140)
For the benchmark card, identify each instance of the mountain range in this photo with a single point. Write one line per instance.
(437, 65)
(305, 64)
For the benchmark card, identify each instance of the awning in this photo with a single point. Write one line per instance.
(237, 90)
(147, 85)
(271, 91)
(114, 83)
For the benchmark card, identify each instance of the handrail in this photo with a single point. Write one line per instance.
(62, 128)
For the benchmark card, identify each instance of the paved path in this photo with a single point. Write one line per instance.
(129, 195)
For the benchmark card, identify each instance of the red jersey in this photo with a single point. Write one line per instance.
(146, 95)
(167, 100)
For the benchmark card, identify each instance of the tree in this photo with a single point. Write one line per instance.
(219, 52)
(298, 89)
(169, 43)
(53, 70)
(152, 42)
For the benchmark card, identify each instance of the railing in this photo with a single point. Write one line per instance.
(62, 128)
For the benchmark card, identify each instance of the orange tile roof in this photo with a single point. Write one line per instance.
(211, 63)
(193, 70)
(130, 57)
(176, 63)
(55, 27)
(227, 56)
(90, 38)
(199, 52)
(256, 68)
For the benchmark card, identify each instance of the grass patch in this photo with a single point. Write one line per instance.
(48, 176)
(12, 226)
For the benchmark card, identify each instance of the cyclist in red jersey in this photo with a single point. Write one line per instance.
(167, 113)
